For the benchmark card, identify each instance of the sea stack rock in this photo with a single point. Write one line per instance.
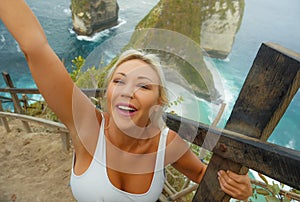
(91, 16)
(212, 24)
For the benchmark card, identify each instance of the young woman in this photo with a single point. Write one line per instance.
(120, 154)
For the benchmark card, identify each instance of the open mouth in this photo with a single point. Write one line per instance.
(126, 109)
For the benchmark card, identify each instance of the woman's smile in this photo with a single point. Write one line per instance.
(126, 109)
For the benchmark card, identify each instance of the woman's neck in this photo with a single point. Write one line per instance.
(132, 140)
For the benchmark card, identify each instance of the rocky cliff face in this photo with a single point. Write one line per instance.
(211, 24)
(220, 22)
(91, 16)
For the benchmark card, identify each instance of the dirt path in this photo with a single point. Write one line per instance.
(33, 166)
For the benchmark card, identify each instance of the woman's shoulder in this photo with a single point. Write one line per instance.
(172, 135)
(175, 148)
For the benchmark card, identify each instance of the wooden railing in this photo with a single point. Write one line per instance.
(268, 89)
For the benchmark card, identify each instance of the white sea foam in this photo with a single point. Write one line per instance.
(217, 79)
(291, 144)
(2, 41)
(95, 37)
(223, 86)
(120, 23)
(2, 38)
(147, 3)
(18, 47)
(98, 36)
(68, 11)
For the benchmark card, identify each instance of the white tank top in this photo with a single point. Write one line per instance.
(94, 183)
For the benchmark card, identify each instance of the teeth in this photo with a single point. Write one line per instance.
(126, 108)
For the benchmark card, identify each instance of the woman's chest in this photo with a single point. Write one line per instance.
(131, 183)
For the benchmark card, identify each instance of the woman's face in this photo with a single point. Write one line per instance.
(132, 94)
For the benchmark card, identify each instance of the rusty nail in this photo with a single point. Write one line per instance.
(223, 147)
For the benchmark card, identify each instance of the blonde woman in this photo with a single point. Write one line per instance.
(119, 154)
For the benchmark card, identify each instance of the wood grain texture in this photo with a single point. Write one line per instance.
(272, 82)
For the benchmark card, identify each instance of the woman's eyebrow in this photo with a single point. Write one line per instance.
(139, 77)
(123, 74)
(144, 77)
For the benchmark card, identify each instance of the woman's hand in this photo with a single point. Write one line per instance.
(237, 186)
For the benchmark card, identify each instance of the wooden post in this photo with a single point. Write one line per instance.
(3, 119)
(25, 101)
(268, 89)
(15, 99)
(65, 137)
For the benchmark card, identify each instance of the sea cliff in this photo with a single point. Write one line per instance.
(211, 25)
(91, 16)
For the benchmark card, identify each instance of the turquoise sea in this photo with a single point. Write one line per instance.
(263, 21)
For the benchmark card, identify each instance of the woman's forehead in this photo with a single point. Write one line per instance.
(137, 68)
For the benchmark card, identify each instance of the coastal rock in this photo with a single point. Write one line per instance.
(93, 16)
(220, 23)
(212, 25)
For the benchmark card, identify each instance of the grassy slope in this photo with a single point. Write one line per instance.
(183, 17)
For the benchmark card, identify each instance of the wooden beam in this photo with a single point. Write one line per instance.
(15, 99)
(4, 120)
(277, 162)
(61, 128)
(20, 90)
(98, 92)
(272, 82)
(56, 125)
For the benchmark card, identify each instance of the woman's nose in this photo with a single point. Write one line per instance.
(128, 91)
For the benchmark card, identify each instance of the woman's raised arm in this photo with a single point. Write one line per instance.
(47, 70)
(49, 73)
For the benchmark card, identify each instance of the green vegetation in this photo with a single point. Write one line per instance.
(77, 64)
(274, 192)
(78, 6)
(180, 16)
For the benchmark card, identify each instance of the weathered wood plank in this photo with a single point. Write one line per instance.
(271, 84)
(52, 124)
(15, 99)
(89, 92)
(65, 138)
(272, 160)
(4, 120)
(61, 128)
(268, 89)
(20, 90)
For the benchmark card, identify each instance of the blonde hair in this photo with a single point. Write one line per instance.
(150, 59)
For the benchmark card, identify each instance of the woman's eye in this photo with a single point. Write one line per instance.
(118, 81)
(144, 86)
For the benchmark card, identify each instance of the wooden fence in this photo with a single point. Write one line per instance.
(273, 80)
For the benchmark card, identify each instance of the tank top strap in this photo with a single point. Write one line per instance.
(160, 159)
(100, 148)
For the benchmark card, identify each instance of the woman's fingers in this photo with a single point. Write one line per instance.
(238, 186)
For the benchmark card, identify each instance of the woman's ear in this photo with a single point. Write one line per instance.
(160, 102)
(156, 113)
